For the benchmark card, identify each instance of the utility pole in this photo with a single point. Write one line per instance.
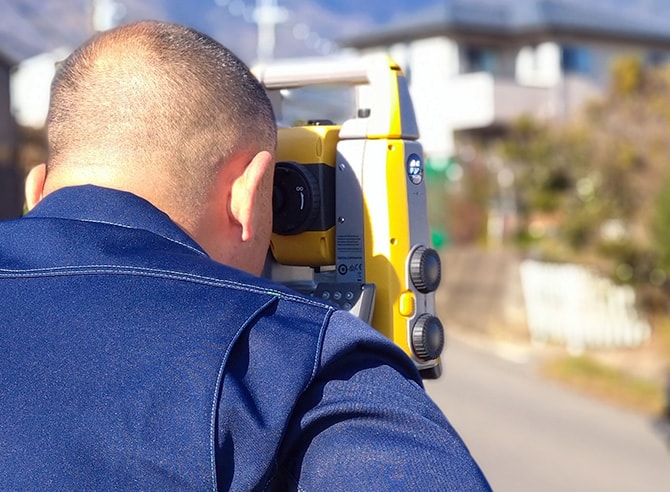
(105, 14)
(267, 15)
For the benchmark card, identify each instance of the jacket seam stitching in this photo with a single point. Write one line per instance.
(151, 272)
(217, 390)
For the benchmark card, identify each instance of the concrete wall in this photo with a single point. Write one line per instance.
(481, 293)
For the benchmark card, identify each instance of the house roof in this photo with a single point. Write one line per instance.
(524, 19)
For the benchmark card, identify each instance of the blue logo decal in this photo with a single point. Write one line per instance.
(415, 169)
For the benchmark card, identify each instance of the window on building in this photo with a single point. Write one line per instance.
(657, 59)
(576, 59)
(479, 59)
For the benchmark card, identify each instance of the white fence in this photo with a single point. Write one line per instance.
(569, 304)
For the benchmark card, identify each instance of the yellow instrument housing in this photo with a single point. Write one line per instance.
(306, 145)
(377, 254)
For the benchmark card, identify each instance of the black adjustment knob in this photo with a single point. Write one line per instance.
(425, 269)
(427, 337)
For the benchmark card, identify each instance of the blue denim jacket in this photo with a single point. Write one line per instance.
(132, 361)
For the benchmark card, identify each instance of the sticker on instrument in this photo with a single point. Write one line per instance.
(415, 169)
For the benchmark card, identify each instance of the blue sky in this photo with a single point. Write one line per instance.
(30, 26)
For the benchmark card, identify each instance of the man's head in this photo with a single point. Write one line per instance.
(169, 114)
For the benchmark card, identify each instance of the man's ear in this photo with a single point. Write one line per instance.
(248, 192)
(34, 188)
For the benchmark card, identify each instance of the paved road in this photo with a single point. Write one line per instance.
(529, 434)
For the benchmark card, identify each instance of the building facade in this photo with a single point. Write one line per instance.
(477, 66)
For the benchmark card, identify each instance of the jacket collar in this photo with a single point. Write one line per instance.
(114, 207)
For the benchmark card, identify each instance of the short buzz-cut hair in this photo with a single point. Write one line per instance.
(157, 94)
